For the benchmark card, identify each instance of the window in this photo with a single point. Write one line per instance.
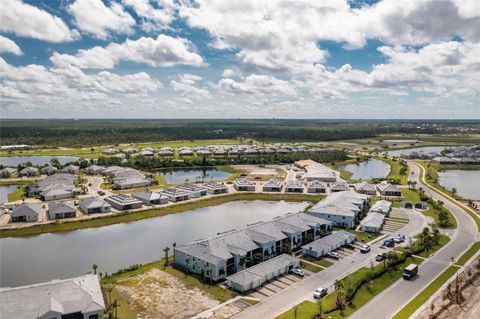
(95, 316)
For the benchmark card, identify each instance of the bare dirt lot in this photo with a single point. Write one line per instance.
(156, 294)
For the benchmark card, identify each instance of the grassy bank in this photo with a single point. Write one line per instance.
(468, 254)
(123, 217)
(310, 267)
(396, 174)
(346, 174)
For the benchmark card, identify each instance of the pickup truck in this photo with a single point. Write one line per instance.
(365, 249)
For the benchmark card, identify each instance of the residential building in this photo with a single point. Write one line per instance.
(123, 202)
(61, 210)
(48, 170)
(126, 177)
(129, 150)
(235, 250)
(55, 187)
(294, 186)
(387, 189)
(365, 188)
(26, 213)
(339, 186)
(194, 190)
(94, 205)
(244, 185)
(186, 152)
(175, 194)
(8, 172)
(147, 153)
(151, 197)
(74, 298)
(341, 208)
(373, 222)
(253, 277)
(110, 151)
(215, 188)
(273, 185)
(405, 204)
(324, 245)
(70, 169)
(165, 153)
(316, 186)
(382, 206)
(317, 171)
(29, 171)
(94, 169)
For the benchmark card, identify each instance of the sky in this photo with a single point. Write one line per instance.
(389, 59)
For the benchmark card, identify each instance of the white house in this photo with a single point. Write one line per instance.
(316, 186)
(215, 188)
(94, 205)
(123, 202)
(387, 189)
(61, 211)
(324, 245)
(26, 213)
(175, 194)
(151, 197)
(382, 206)
(365, 188)
(273, 185)
(29, 171)
(294, 186)
(243, 184)
(373, 222)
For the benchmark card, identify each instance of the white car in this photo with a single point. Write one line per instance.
(399, 238)
(298, 272)
(365, 249)
(320, 292)
(333, 254)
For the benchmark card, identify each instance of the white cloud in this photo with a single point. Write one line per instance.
(29, 21)
(228, 73)
(164, 51)
(9, 46)
(187, 85)
(95, 18)
(258, 84)
(154, 18)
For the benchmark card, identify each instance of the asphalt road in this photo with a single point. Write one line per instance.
(303, 290)
(391, 300)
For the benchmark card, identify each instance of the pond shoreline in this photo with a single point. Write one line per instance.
(128, 216)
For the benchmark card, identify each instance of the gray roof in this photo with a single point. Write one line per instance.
(344, 203)
(123, 199)
(381, 206)
(92, 202)
(243, 182)
(294, 184)
(148, 195)
(364, 186)
(26, 209)
(81, 294)
(387, 187)
(60, 208)
(214, 185)
(373, 219)
(317, 184)
(273, 183)
(258, 272)
(332, 240)
(239, 242)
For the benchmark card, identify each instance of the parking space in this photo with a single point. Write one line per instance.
(398, 213)
(276, 286)
(391, 226)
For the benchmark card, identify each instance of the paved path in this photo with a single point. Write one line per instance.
(303, 290)
(391, 300)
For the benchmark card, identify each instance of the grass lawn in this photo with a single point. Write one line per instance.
(441, 242)
(124, 311)
(423, 296)
(250, 301)
(128, 216)
(468, 254)
(17, 194)
(310, 267)
(305, 310)
(234, 171)
(395, 168)
(321, 262)
(362, 237)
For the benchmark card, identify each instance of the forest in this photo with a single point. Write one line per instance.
(92, 132)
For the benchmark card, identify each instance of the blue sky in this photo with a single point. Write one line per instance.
(247, 59)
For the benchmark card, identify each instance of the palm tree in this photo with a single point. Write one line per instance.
(339, 289)
(95, 269)
(454, 191)
(109, 292)
(295, 311)
(320, 309)
(166, 250)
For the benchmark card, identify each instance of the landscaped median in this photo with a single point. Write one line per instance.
(359, 287)
(435, 285)
(128, 216)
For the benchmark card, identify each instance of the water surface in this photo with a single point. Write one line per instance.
(35, 160)
(373, 168)
(193, 175)
(422, 151)
(27, 260)
(467, 182)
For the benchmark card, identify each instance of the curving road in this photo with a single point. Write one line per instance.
(390, 301)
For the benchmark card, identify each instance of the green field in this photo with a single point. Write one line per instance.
(127, 216)
(310, 267)
(395, 171)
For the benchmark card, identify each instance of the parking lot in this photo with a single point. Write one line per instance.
(395, 221)
(277, 285)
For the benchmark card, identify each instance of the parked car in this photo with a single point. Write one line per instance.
(333, 255)
(101, 193)
(399, 239)
(365, 249)
(389, 242)
(320, 292)
(349, 246)
(379, 257)
(298, 272)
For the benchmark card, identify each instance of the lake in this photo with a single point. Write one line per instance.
(13, 161)
(192, 175)
(4, 191)
(27, 260)
(426, 150)
(373, 168)
(467, 182)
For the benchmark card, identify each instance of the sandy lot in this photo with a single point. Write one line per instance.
(156, 294)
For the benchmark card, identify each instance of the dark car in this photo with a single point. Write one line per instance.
(379, 258)
(349, 246)
(389, 242)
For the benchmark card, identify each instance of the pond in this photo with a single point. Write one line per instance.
(4, 191)
(193, 175)
(426, 150)
(467, 182)
(400, 141)
(27, 260)
(13, 161)
(373, 168)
